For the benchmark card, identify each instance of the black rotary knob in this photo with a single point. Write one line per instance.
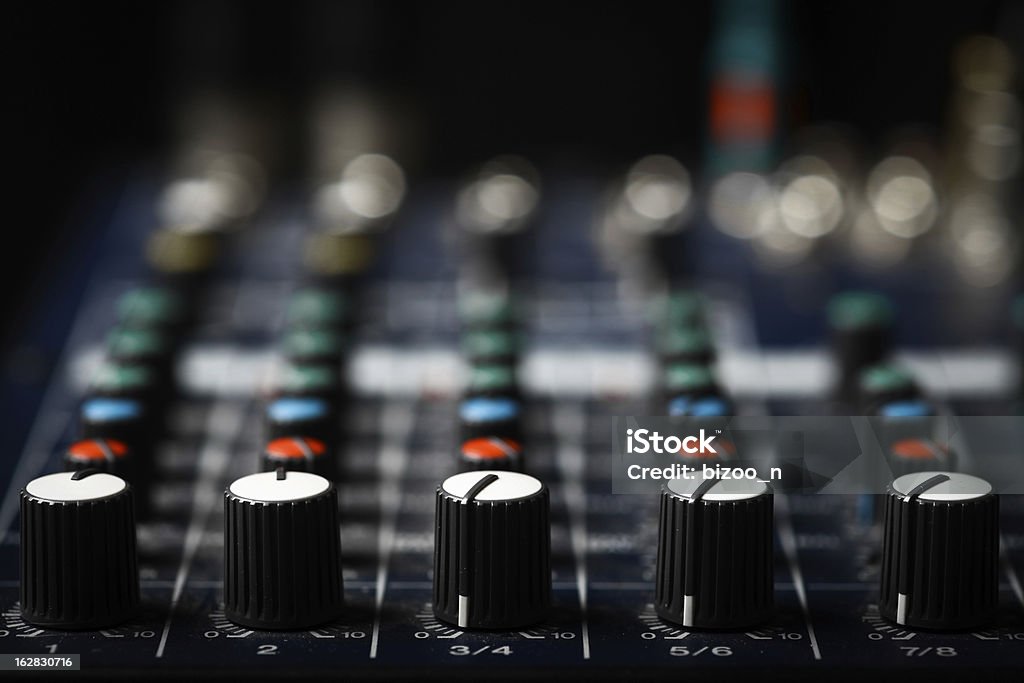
(862, 326)
(486, 310)
(691, 345)
(941, 550)
(78, 562)
(113, 457)
(714, 567)
(484, 417)
(492, 550)
(491, 453)
(689, 381)
(306, 415)
(318, 308)
(316, 381)
(492, 381)
(147, 347)
(314, 347)
(490, 347)
(130, 422)
(282, 551)
(124, 419)
(885, 383)
(299, 454)
(131, 381)
(105, 455)
(919, 455)
(152, 308)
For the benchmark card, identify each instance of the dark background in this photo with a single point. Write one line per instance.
(92, 87)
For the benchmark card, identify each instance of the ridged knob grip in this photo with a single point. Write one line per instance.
(282, 547)
(78, 561)
(714, 566)
(492, 566)
(941, 551)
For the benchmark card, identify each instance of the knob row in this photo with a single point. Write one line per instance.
(492, 551)
(283, 555)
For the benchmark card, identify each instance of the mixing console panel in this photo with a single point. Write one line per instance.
(187, 350)
(343, 413)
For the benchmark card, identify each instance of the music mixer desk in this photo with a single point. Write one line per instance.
(587, 358)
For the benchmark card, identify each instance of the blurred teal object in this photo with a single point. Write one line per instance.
(746, 75)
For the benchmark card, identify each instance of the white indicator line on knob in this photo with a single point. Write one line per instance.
(687, 610)
(918, 489)
(463, 611)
